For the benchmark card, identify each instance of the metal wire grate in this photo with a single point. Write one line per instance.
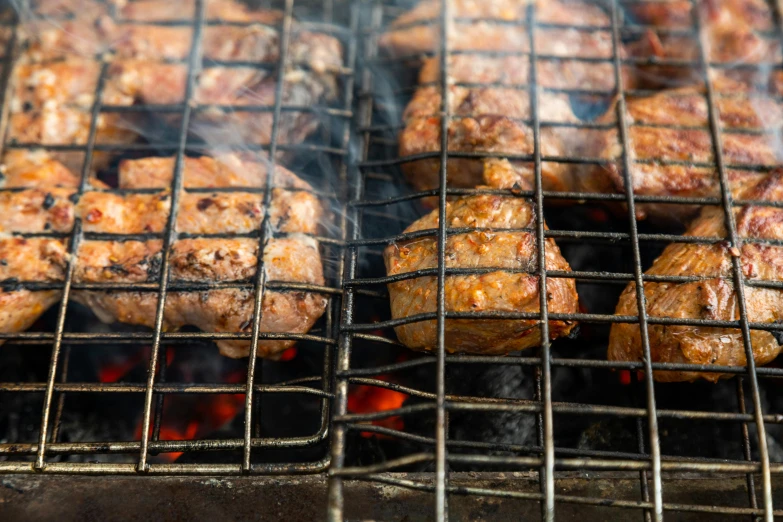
(377, 200)
(239, 455)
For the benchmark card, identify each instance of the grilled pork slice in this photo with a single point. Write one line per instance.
(673, 160)
(485, 120)
(58, 59)
(31, 260)
(732, 33)
(503, 241)
(714, 296)
(295, 258)
(498, 26)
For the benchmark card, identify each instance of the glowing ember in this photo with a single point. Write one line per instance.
(288, 355)
(118, 368)
(192, 417)
(625, 376)
(369, 399)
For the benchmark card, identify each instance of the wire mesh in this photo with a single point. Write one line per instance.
(254, 452)
(379, 206)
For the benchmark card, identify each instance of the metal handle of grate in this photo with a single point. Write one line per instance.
(14, 457)
(545, 458)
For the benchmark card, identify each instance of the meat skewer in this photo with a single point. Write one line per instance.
(503, 242)
(713, 296)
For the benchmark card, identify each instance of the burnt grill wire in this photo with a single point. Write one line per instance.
(330, 150)
(362, 334)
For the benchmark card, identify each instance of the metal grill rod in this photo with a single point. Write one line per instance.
(739, 282)
(260, 278)
(441, 416)
(177, 182)
(73, 249)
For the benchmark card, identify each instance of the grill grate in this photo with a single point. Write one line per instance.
(376, 198)
(360, 349)
(50, 452)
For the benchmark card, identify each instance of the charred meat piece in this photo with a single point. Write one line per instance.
(59, 74)
(295, 258)
(254, 88)
(670, 147)
(31, 260)
(214, 11)
(503, 241)
(514, 71)
(490, 120)
(36, 210)
(35, 168)
(712, 297)
(732, 33)
(500, 26)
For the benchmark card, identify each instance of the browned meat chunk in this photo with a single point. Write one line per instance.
(666, 160)
(59, 72)
(295, 258)
(713, 297)
(500, 26)
(33, 260)
(732, 32)
(504, 241)
(491, 120)
(26, 168)
(36, 210)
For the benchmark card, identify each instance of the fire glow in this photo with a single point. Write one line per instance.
(185, 417)
(370, 399)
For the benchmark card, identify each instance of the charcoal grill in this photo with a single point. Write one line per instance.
(328, 153)
(433, 472)
(544, 459)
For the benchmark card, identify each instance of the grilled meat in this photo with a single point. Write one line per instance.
(504, 241)
(498, 25)
(712, 297)
(732, 33)
(59, 70)
(491, 120)
(32, 260)
(670, 147)
(294, 258)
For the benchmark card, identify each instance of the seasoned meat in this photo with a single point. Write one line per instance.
(712, 297)
(686, 141)
(732, 32)
(294, 207)
(35, 168)
(227, 170)
(514, 71)
(505, 242)
(214, 11)
(36, 210)
(58, 74)
(32, 260)
(295, 258)
(250, 87)
(500, 26)
(491, 120)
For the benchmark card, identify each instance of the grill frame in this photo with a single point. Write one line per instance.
(338, 375)
(56, 386)
(358, 335)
